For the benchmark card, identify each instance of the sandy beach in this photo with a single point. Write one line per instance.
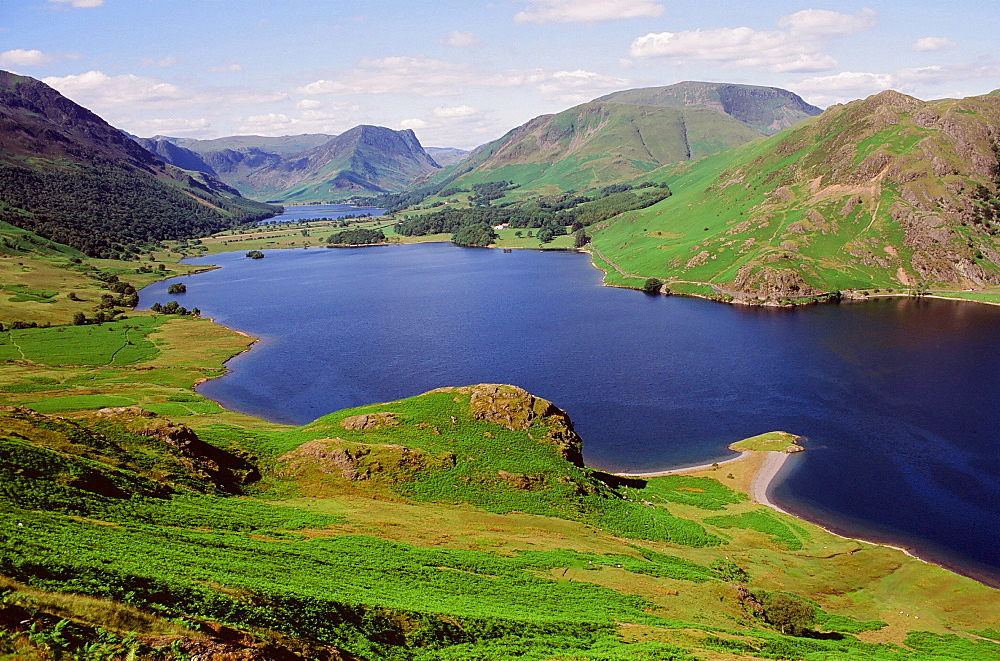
(688, 469)
(773, 461)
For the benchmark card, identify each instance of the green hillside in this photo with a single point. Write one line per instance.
(459, 524)
(886, 193)
(597, 144)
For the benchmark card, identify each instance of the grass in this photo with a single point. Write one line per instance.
(775, 441)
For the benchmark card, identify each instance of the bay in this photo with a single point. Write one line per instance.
(897, 398)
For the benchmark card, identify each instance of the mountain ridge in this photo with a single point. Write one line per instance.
(69, 176)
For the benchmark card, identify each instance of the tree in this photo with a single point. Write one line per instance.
(580, 239)
(652, 286)
(255, 254)
(177, 288)
(79, 319)
(479, 234)
(789, 614)
(545, 235)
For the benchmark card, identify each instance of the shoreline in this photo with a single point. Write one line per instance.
(689, 469)
(760, 483)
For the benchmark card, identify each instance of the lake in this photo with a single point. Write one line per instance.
(306, 212)
(897, 398)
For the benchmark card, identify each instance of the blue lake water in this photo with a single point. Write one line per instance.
(305, 212)
(898, 398)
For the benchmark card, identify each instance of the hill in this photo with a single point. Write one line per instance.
(888, 193)
(69, 176)
(766, 110)
(622, 136)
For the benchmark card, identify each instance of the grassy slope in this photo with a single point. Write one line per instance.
(594, 145)
(467, 539)
(843, 201)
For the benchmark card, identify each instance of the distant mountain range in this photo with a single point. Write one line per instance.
(69, 176)
(624, 135)
(309, 167)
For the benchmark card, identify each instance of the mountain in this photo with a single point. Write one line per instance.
(445, 156)
(365, 159)
(624, 135)
(308, 167)
(766, 110)
(69, 176)
(887, 192)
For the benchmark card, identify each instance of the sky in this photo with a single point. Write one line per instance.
(462, 73)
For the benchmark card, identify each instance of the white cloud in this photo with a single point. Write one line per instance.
(307, 120)
(100, 92)
(20, 57)
(452, 125)
(932, 44)
(79, 4)
(587, 11)
(227, 67)
(420, 76)
(578, 86)
(798, 48)
(823, 22)
(458, 39)
(937, 74)
(171, 126)
(843, 87)
(775, 50)
(308, 104)
(454, 112)
(848, 81)
(426, 77)
(97, 89)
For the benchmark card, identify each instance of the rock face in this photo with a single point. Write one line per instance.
(370, 421)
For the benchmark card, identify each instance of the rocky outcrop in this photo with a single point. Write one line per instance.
(516, 409)
(370, 421)
(226, 470)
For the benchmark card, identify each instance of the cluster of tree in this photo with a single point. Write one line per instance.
(255, 254)
(356, 237)
(550, 216)
(108, 210)
(100, 316)
(127, 296)
(476, 234)
(392, 202)
(484, 194)
(177, 288)
(173, 307)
